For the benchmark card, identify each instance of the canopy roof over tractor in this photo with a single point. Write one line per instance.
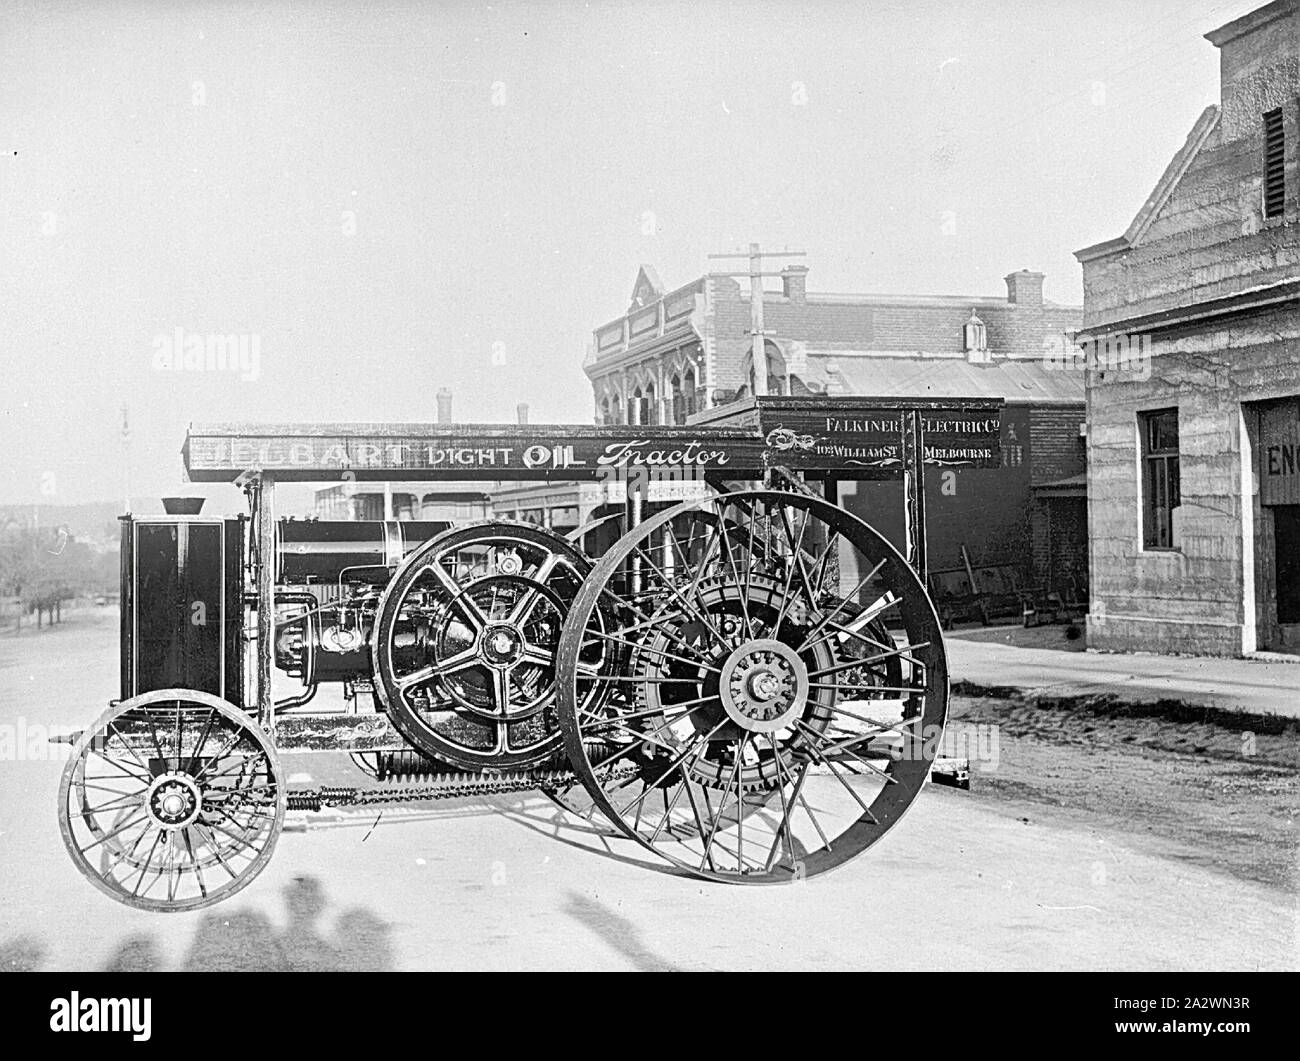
(853, 438)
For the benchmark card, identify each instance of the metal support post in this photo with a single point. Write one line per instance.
(914, 491)
(264, 532)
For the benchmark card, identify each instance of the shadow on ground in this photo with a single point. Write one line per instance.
(618, 932)
(247, 940)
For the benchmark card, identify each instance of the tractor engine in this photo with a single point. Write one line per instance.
(185, 582)
(330, 576)
(452, 631)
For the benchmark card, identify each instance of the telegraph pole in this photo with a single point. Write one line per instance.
(756, 275)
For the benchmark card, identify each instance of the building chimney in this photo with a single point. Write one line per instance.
(521, 412)
(1025, 288)
(794, 282)
(1253, 53)
(444, 406)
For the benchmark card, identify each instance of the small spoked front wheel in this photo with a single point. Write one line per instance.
(172, 801)
(778, 694)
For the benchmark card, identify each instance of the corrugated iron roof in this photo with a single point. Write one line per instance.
(944, 377)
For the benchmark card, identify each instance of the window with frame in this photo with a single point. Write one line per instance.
(1160, 485)
(1274, 164)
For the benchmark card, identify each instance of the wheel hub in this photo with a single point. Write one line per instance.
(174, 801)
(764, 686)
(502, 644)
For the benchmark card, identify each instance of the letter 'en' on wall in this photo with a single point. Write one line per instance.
(1279, 454)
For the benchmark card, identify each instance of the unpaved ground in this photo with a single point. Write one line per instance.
(1209, 793)
(1067, 637)
(1096, 842)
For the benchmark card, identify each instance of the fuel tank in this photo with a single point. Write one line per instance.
(329, 551)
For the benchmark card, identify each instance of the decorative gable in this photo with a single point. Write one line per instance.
(647, 289)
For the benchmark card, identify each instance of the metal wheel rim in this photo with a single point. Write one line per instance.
(217, 841)
(901, 778)
(389, 675)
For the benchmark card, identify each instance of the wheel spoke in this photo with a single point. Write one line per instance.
(740, 806)
(792, 565)
(695, 810)
(668, 810)
(238, 765)
(735, 578)
(101, 788)
(173, 875)
(459, 598)
(147, 861)
(133, 820)
(178, 734)
(722, 804)
(145, 855)
(658, 622)
(701, 663)
(116, 804)
(642, 735)
(115, 732)
(694, 748)
(529, 598)
(216, 847)
(416, 677)
(203, 741)
(198, 870)
(830, 766)
(108, 760)
(234, 739)
(501, 690)
(668, 585)
(750, 585)
(862, 583)
(786, 807)
(539, 657)
(153, 729)
(651, 712)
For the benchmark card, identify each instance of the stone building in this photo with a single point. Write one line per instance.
(1192, 331)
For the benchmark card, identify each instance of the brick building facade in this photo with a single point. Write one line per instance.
(675, 353)
(686, 354)
(1193, 491)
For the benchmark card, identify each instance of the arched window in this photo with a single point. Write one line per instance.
(690, 381)
(678, 400)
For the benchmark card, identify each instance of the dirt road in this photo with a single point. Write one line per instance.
(1090, 843)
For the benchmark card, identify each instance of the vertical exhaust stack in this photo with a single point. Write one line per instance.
(521, 412)
(444, 406)
(183, 505)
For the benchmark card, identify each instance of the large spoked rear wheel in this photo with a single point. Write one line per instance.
(172, 801)
(772, 686)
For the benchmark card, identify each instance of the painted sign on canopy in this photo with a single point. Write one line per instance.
(216, 453)
(862, 436)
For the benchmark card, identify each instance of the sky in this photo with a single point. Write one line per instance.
(385, 199)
